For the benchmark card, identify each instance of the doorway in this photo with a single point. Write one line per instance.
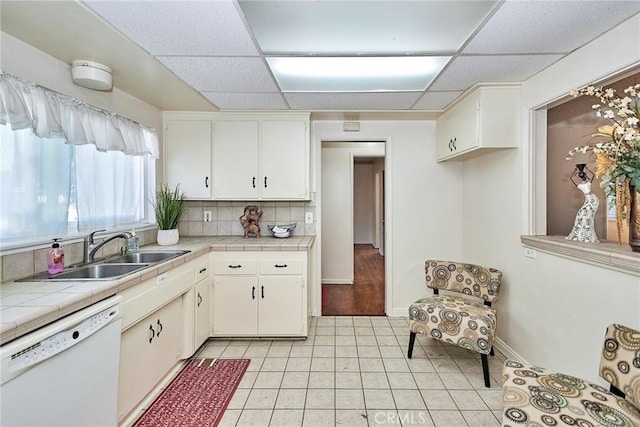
(365, 297)
(353, 215)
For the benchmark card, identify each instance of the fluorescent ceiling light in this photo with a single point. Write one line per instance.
(356, 74)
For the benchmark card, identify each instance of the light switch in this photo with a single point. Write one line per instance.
(308, 217)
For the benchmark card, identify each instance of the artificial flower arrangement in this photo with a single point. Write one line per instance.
(616, 146)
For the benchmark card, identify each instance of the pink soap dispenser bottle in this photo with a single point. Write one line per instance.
(55, 258)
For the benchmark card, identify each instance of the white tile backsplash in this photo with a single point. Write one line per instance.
(225, 217)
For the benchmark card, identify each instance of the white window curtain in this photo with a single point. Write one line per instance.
(34, 202)
(52, 115)
(67, 167)
(116, 196)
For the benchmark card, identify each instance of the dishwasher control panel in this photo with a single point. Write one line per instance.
(55, 338)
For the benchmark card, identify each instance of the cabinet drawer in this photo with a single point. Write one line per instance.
(235, 267)
(281, 266)
(142, 299)
(202, 270)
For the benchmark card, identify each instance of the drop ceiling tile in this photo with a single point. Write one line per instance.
(436, 100)
(363, 27)
(465, 71)
(222, 74)
(247, 101)
(352, 101)
(548, 26)
(179, 27)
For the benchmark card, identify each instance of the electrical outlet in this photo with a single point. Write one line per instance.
(308, 217)
(207, 216)
(530, 253)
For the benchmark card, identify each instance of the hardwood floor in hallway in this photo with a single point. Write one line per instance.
(366, 295)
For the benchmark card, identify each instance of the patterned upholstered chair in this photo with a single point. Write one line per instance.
(463, 316)
(534, 396)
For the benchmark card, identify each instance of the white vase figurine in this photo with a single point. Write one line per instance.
(584, 228)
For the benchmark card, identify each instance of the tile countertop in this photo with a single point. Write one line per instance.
(27, 306)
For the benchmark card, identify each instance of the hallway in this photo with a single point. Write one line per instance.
(366, 295)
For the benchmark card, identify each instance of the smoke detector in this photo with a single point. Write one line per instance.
(91, 75)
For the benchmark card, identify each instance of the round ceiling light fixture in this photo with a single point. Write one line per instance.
(91, 75)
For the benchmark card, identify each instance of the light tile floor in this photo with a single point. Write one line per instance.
(353, 371)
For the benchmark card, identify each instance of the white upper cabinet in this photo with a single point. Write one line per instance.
(238, 156)
(486, 119)
(235, 160)
(188, 156)
(284, 154)
(261, 158)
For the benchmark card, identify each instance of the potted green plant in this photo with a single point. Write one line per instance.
(169, 207)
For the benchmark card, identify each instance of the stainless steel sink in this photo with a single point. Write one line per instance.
(145, 257)
(98, 271)
(109, 269)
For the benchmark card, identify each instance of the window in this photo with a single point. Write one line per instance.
(49, 188)
(570, 124)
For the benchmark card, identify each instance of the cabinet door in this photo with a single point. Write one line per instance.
(457, 129)
(280, 307)
(148, 350)
(444, 135)
(188, 156)
(202, 313)
(466, 123)
(235, 301)
(284, 159)
(235, 160)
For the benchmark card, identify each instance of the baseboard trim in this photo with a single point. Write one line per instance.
(399, 312)
(336, 282)
(508, 352)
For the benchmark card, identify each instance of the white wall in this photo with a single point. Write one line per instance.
(363, 204)
(378, 221)
(424, 199)
(553, 311)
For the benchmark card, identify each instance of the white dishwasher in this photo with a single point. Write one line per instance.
(66, 373)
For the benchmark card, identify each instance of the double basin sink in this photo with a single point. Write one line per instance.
(109, 268)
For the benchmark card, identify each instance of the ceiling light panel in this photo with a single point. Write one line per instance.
(363, 27)
(179, 27)
(355, 74)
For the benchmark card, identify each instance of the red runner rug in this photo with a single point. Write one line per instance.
(197, 396)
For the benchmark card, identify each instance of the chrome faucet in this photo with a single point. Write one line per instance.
(91, 246)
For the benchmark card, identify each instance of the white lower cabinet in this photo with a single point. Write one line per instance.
(149, 349)
(155, 329)
(202, 312)
(259, 294)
